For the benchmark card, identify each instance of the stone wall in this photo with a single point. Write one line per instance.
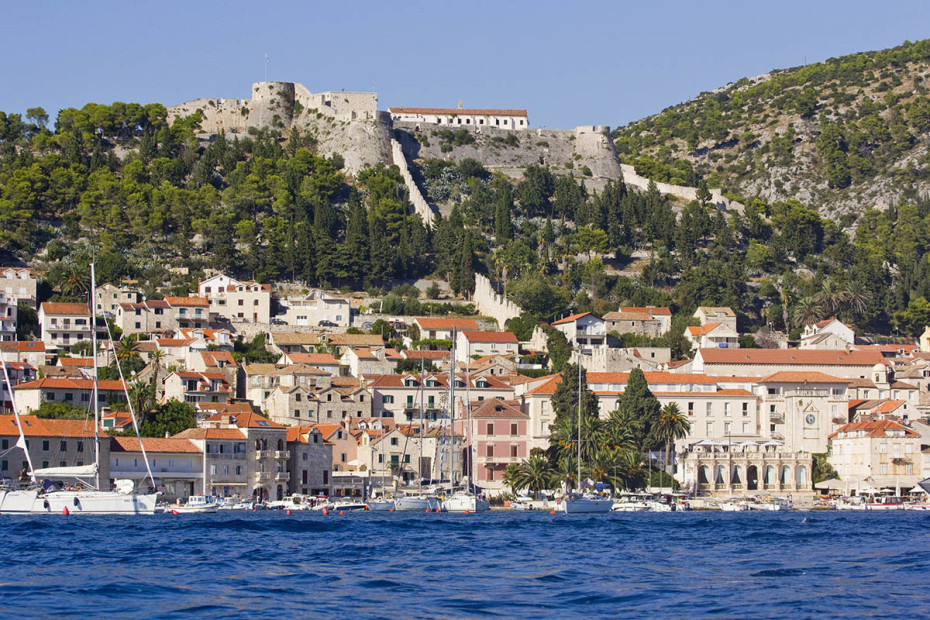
(420, 206)
(688, 193)
(489, 303)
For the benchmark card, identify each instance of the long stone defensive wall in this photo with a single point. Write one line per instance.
(688, 193)
(420, 206)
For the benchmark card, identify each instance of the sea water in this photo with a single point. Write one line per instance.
(528, 565)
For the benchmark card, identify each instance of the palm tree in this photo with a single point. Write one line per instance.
(855, 303)
(830, 298)
(156, 356)
(619, 431)
(127, 349)
(537, 475)
(629, 473)
(513, 477)
(74, 282)
(671, 425)
(807, 311)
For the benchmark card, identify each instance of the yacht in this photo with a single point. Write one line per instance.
(197, 504)
(462, 501)
(586, 503)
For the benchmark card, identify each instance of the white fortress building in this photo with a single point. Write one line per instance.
(463, 117)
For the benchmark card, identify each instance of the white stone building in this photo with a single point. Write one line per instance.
(462, 117)
(238, 302)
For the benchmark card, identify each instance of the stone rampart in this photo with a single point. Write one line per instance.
(420, 206)
(688, 193)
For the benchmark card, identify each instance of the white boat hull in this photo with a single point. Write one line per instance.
(630, 507)
(94, 503)
(466, 503)
(416, 503)
(381, 506)
(586, 505)
(17, 502)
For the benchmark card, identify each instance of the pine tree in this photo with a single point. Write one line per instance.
(503, 226)
(639, 404)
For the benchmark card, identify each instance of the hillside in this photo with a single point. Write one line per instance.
(840, 136)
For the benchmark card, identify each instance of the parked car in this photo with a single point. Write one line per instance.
(278, 322)
(367, 325)
(325, 323)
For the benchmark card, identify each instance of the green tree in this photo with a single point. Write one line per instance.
(537, 475)
(640, 406)
(559, 350)
(671, 425)
(169, 419)
(513, 477)
(522, 326)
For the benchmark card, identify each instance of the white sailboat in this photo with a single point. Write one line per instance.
(419, 502)
(464, 500)
(91, 500)
(584, 503)
(382, 504)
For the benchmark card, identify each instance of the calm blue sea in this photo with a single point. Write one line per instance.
(364, 565)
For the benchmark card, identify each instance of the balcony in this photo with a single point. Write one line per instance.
(282, 476)
(263, 454)
(263, 476)
(500, 459)
(777, 418)
(282, 454)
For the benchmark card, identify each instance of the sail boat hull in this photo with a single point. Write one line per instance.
(94, 503)
(17, 502)
(461, 502)
(586, 505)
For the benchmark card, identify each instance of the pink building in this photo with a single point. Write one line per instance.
(500, 435)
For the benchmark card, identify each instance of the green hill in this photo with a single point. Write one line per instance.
(840, 136)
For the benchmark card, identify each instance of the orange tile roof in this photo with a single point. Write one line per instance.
(245, 419)
(652, 378)
(50, 383)
(426, 355)
(791, 356)
(153, 445)
(888, 406)
(23, 346)
(493, 408)
(39, 427)
(311, 359)
(447, 324)
(212, 358)
(48, 307)
(875, 428)
(490, 337)
(702, 330)
(211, 433)
(173, 342)
(187, 301)
(361, 340)
(801, 377)
(571, 318)
(81, 362)
(654, 310)
(458, 111)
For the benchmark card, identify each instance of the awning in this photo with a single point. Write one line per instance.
(833, 484)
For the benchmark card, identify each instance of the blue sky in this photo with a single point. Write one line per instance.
(567, 63)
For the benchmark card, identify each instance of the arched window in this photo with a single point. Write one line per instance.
(719, 477)
(801, 475)
(258, 444)
(785, 474)
(280, 444)
(769, 477)
(737, 475)
(703, 474)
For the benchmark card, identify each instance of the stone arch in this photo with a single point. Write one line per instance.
(736, 476)
(719, 474)
(785, 475)
(752, 478)
(800, 475)
(281, 445)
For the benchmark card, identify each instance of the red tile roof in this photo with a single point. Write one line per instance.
(82, 362)
(48, 307)
(187, 301)
(153, 445)
(801, 377)
(23, 346)
(702, 330)
(245, 419)
(38, 427)
(211, 433)
(458, 111)
(875, 428)
(571, 318)
(493, 408)
(447, 324)
(49, 383)
(791, 356)
(313, 359)
(490, 337)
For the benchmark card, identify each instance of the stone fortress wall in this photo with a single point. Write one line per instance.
(275, 103)
(687, 193)
(420, 206)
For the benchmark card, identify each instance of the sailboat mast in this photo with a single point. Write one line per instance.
(471, 454)
(579, 422)
(22, 437)
(93, 339)
(420, 462)
(451, 414)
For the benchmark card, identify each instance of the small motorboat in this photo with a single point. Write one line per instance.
(196, 504)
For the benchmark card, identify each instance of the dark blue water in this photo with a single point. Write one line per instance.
(493, 564)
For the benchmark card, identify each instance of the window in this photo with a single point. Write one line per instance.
(388, 399)
(708, 408)
(513, 428)
(513, 451)
(63, 445)
(212, 470)
(910, 468)
(884, 469)
(726, 409)
(238, 470)
(691, 408)
(4, 465)
(883, 449)
(726, 428)
(745, 409)
(490, 428)
(44, 445)
(80, 446)
(490, 451)
(342, 457)
(241, 302)
(406, 458)
(773, 391)
(380, 458)
(710, 429)
(393, 441)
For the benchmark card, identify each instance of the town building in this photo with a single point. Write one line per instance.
(64, 324)
(498, 436)
(108, 298)
(441, 329)
(711, 314)
(471, 343)
(19, 283)
(644, 321)
(32, 352)
(176, 465)
(462, 117)
(311, 459)
(238, 302)
(712, 335)
(316, 308)
(78, 392)
(51, 443)
(585, 332)
(876, 454)
(764, 362)
(9, 313)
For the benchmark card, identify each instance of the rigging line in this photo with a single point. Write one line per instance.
(132, 413)
(21, 442)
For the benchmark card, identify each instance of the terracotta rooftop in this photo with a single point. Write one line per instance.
(490, 337)
(572, 318)
(791, 356)
(65, 308)
(447, 324)
(875, 428)
(153, 445)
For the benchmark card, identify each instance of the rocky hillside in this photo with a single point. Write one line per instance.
(840, 136)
